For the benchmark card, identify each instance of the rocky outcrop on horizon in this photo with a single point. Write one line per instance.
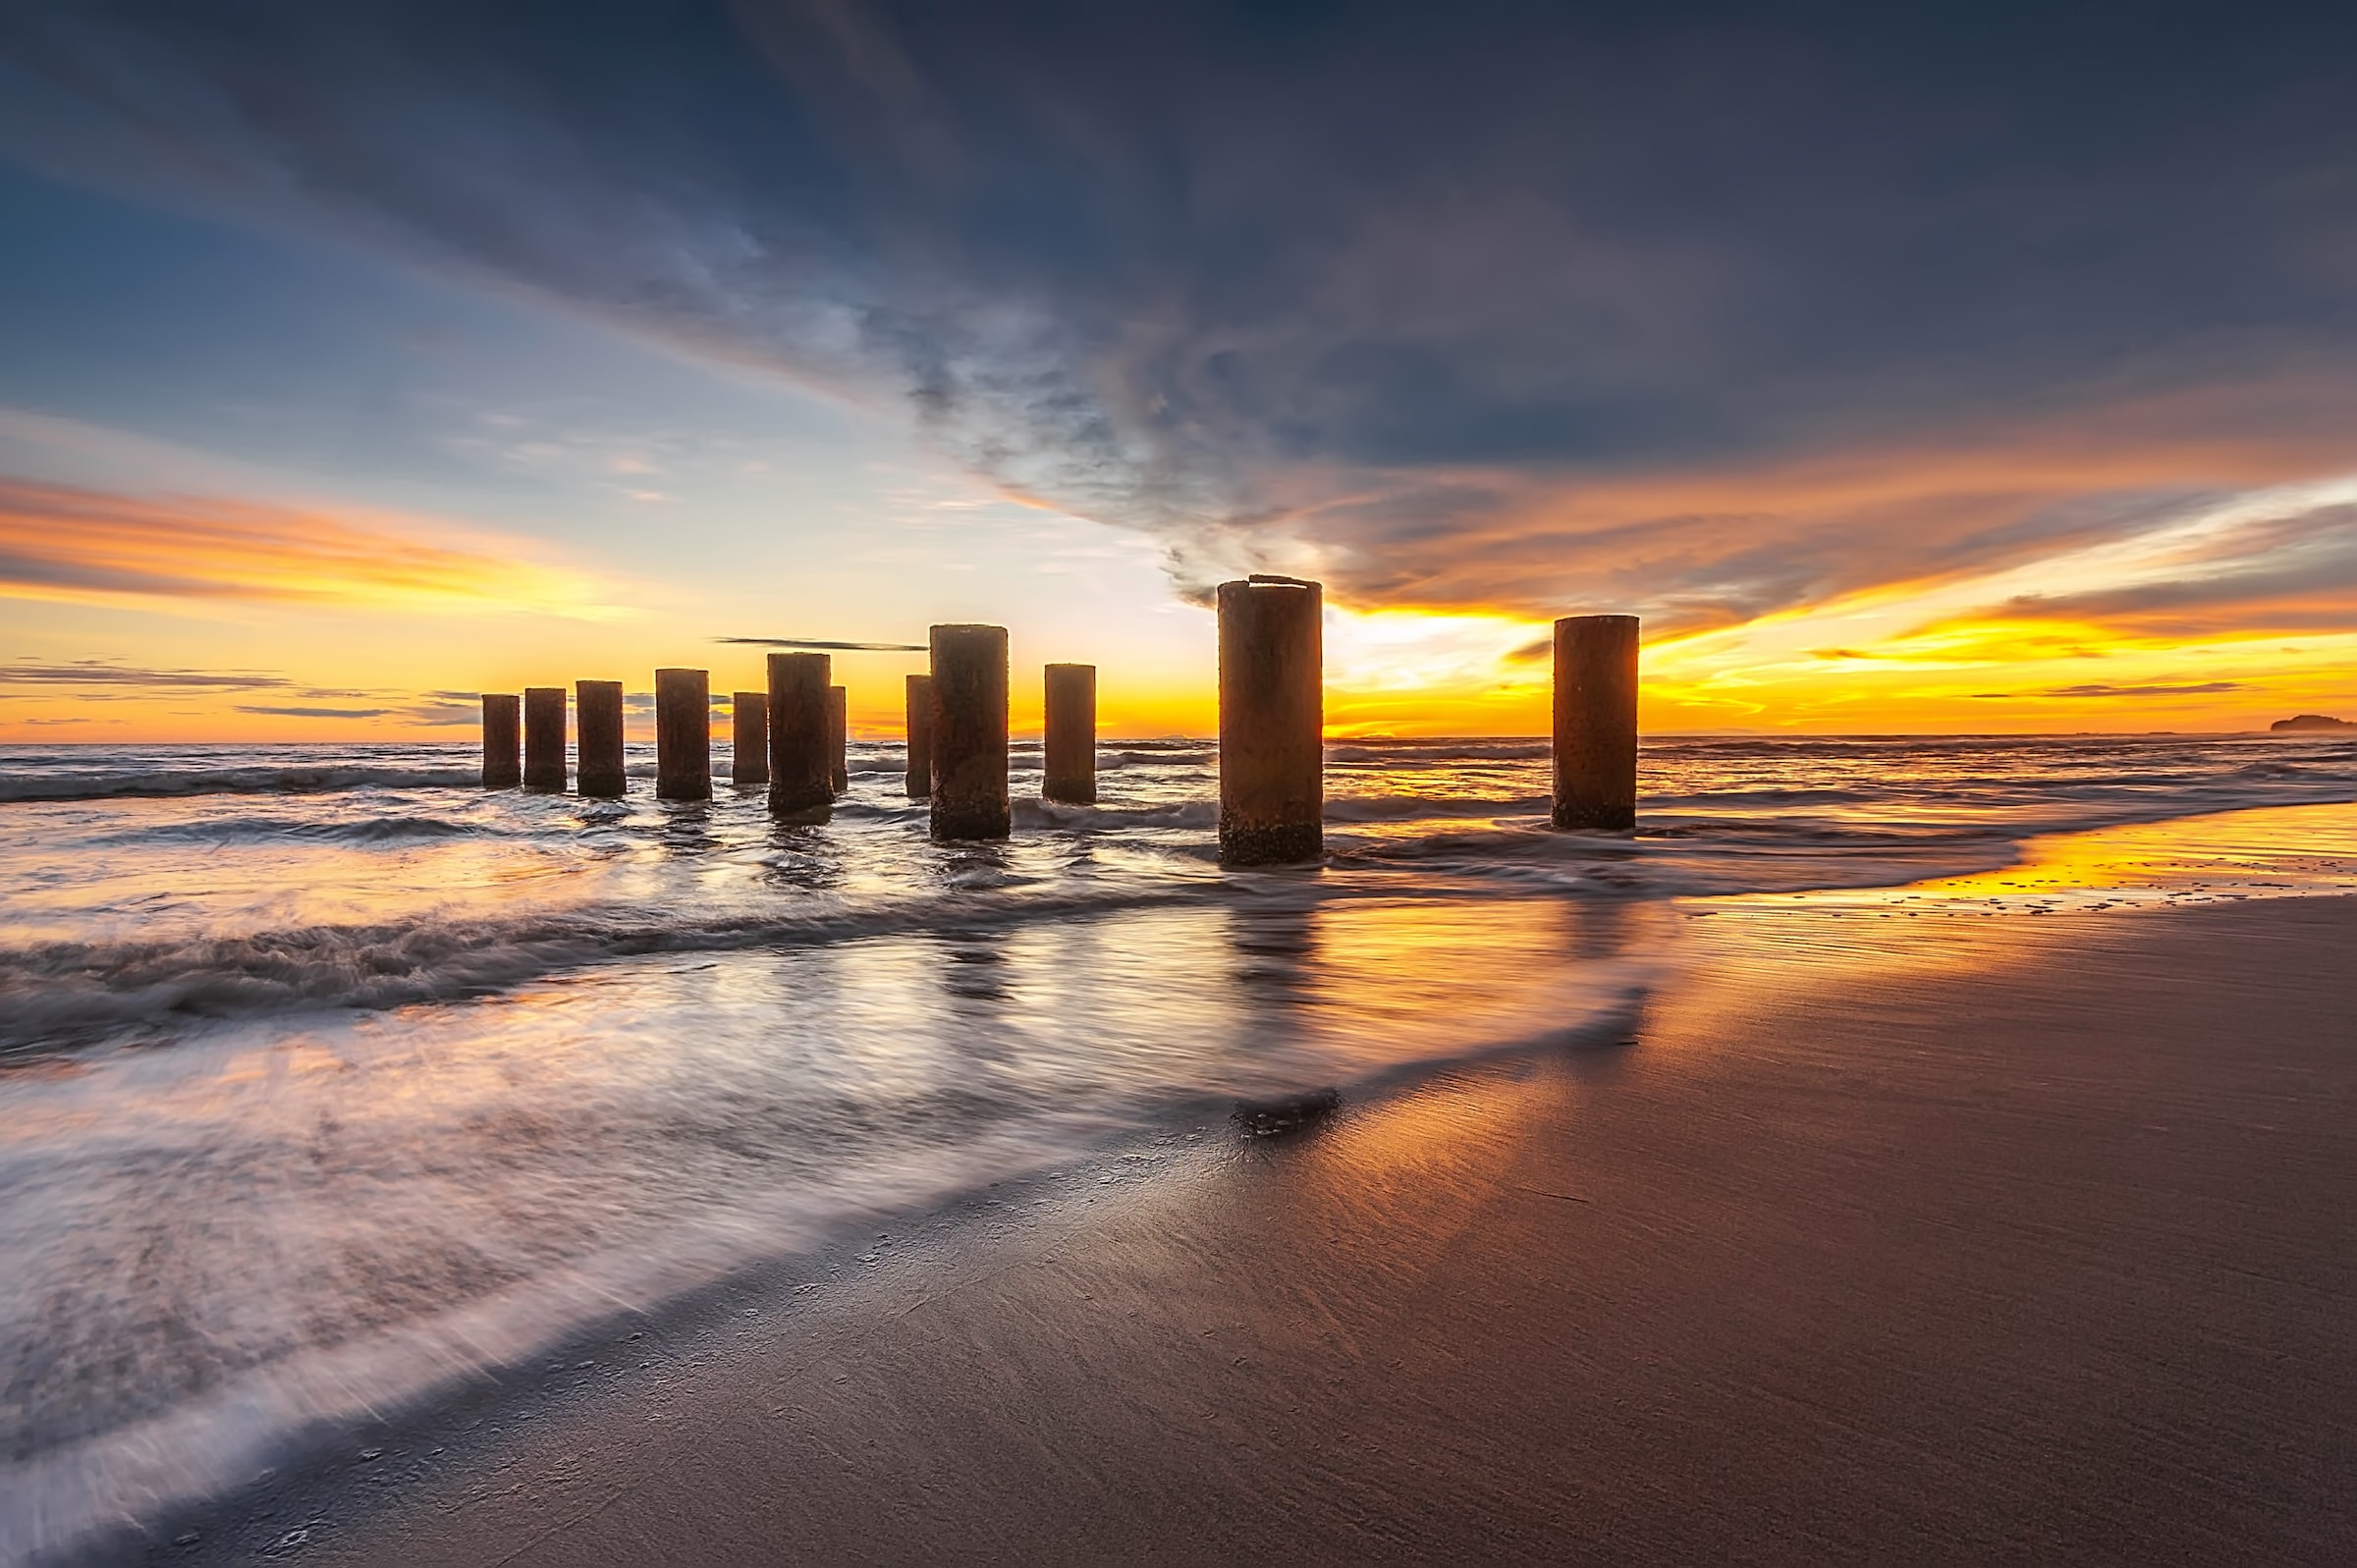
(2311, 720)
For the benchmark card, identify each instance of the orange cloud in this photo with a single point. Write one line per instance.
(62, 542)
(1692, 548)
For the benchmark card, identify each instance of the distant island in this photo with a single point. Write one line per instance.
(2313, 720)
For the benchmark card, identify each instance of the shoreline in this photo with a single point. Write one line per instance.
(1064, 1327)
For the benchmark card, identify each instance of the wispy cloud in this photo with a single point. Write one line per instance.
(106, 673)
(2190, 689)
(820, 645)
(63, 542)
(315, 712)
(2200, 688)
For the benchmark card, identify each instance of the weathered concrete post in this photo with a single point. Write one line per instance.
(920, 736)
(800, 788)
(544, 738)
(969, 733)
(1071, 743)
(598, 705)
(1271, 716)
(503, 738)
(682, 734)
(839, 738)
(750, 763)
(1595, 722)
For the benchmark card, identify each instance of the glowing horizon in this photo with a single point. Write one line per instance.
(1971, 654)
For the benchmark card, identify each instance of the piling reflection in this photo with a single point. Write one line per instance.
(1273, 969)
(685, 830)
(974, 969)
(802, 857)
(1596, 930)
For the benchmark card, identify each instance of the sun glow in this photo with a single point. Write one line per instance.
(2108, 636)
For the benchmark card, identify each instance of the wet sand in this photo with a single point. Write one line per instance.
(1940, 1239)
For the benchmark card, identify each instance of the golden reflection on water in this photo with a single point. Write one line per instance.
(1964, 923)
(2266, 852)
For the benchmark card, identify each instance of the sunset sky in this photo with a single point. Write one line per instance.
(1907, 368)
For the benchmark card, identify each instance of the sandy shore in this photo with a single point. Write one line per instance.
(1923, 1240)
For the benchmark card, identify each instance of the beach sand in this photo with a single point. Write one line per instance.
(1938, 1239)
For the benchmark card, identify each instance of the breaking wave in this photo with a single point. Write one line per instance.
(61, 994)
(170, 783)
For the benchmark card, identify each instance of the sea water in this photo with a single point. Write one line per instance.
(329, 1082)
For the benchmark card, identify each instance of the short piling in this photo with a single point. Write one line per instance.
(1595, 722)
(503, 741)
(1271, 716)
(750, 764)
(544, 738)
(919, 774)
(839, 738)
(969, 733)
(800, 781)
(1071, 747)
(682, 734)
(598, 706)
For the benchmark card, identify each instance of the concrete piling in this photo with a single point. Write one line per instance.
(682, 734)
(1595, 722)
(503, 741)
(1272, 715)
(919, 778)
(597, 704)
(751, 763)
(800, 777)
(969, 733)
(1072, 739)
(839, 739)
(544, 738)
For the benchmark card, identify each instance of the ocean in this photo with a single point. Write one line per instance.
(330, 1083)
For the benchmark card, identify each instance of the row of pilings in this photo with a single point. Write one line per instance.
(793, 738)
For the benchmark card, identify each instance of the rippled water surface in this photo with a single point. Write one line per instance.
(327, 1078)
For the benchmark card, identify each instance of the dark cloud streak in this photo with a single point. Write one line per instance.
(316, 713)
(821, 646)
(2200, 689)
(99, 672)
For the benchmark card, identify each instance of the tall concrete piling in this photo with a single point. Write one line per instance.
(839, 738)
(1072, 740)
(682, 734)
(598, 706)
(1272, 715)
(503, 741)
(801, 775)
(1595, 722)
(544, 738)
(969, 733)
(750, 764)
(919, 778)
